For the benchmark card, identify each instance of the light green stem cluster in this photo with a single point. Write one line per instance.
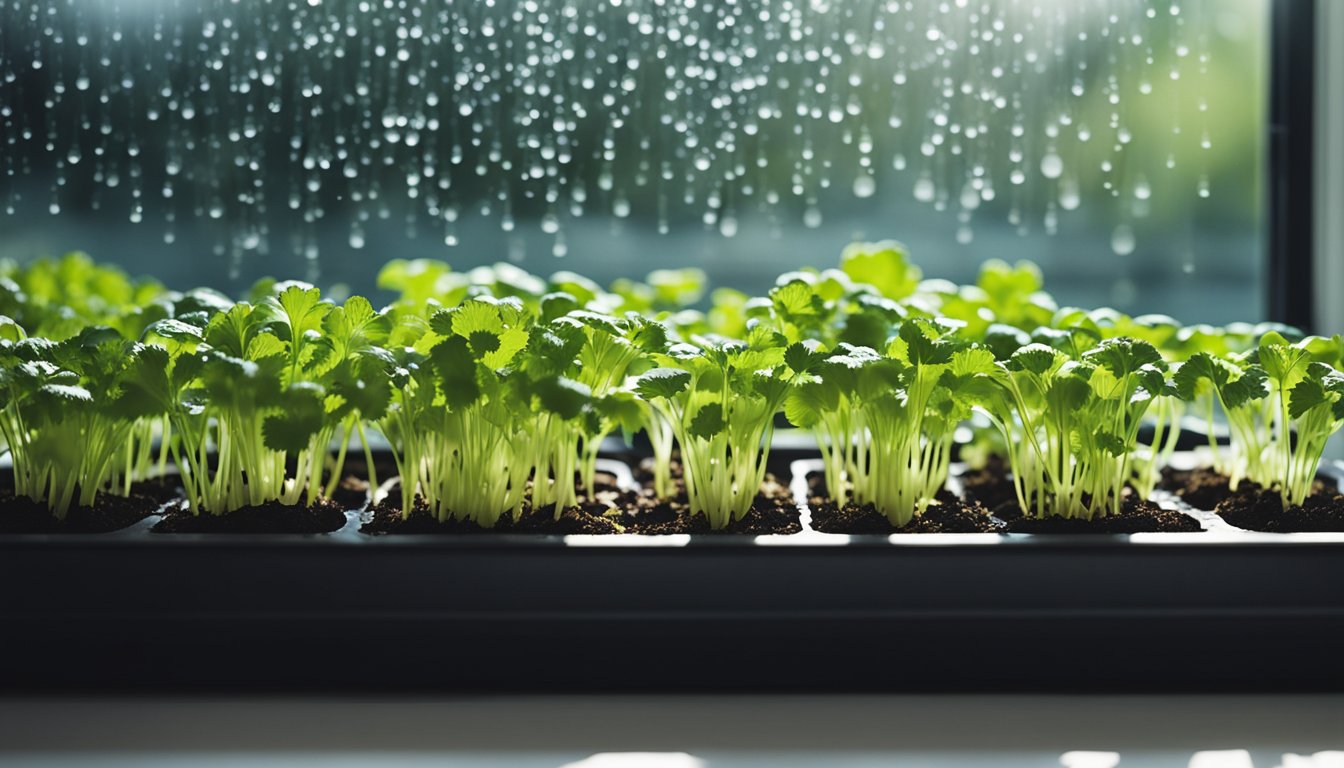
(902, 460)
(1148, 460)
(662, 440)
(462, 465)
(842, 439)
(1072, 424)
(723, 471)
(225, 464)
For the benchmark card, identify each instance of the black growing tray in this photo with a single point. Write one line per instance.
(1219, 610)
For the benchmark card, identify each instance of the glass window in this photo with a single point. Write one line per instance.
(1118, 144)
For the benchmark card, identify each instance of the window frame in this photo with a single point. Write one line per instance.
(1290, 191)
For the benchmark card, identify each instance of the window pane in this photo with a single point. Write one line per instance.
(1118, 144)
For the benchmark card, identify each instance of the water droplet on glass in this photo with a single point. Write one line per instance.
(1141, 189)
(1069, 197)
(1122, 240)
(812, 217)
(970, 196)
(1052, 166)
(924, 189)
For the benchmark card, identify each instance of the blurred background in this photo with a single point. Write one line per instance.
(1118, 144)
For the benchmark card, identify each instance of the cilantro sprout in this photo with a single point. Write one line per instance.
(497, 390)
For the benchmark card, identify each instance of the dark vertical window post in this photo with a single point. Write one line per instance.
(1292, 83)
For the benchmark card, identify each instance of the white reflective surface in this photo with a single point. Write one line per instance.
(679, 732)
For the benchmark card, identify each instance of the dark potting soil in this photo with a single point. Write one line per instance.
(608, 510)
(1261, 510)
(643, 471)
(161, 489)
(20, 514)
(773, 511)
(1206, 488)
(1201, 488)
(991, 485)
(387, 519)
(1136, 516)
(588, 518)
(324, 516)
(353, 490)
(948, 515)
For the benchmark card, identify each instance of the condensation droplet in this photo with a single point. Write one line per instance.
(1052, 166)
(1122, 240)
(1069, 197)
(924, 189)
(970, 196)
(1141, 189)
(864, 185)
(812, 217)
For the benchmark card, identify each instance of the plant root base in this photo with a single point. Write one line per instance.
(20, 514)
(772, 512)
(1261, 510)
(1206, 488)
(948, 515)
(1201, 488)
(991, 485)
(609, 510)
(324, 516)
(1136, 516)
(352, 492)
